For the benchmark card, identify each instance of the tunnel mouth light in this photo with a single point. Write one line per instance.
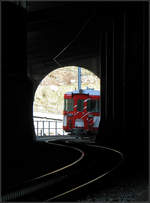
(53, 114)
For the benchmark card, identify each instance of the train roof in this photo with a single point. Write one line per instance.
(86, 91)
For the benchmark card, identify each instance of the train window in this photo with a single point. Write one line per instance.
(68, 104)
(80, 105)
(93, 106)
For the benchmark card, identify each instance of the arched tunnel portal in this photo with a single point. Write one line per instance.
(107, 38)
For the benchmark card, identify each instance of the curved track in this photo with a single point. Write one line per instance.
(97, 174)
(32, 185)
(94, 163)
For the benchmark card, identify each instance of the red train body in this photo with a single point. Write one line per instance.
(82, 111)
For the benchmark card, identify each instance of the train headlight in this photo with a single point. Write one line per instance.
(65, 120)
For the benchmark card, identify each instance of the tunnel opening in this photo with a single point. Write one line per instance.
(51, 105)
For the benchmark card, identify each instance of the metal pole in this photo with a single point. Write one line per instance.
(43, 128)
(49, 128)
(55, 127)
(37, 127)
(79, 78)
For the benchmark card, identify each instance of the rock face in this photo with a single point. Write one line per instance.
(49, 96)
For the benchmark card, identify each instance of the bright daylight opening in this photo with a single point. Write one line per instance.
(52, 101)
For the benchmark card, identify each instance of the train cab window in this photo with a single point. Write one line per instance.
(93, 106)
(80, 105)
(68, 104)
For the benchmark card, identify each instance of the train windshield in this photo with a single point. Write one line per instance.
(80, 105)
(68, 105)
(93, 105)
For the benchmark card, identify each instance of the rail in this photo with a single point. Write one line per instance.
(48, 126)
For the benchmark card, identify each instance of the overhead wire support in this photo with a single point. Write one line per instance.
(79, 78)
(68, 45)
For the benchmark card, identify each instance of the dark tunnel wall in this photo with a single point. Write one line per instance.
(124, 123)
(118, 50)
(17, 95)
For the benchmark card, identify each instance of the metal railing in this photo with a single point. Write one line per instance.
(48, 127)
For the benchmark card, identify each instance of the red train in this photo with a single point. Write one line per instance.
(82, 112)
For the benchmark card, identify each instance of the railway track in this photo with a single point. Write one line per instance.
(91, 169)
(94, 163)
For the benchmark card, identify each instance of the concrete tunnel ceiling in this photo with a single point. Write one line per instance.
(71, 37)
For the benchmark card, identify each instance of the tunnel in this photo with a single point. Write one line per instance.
(110, 39)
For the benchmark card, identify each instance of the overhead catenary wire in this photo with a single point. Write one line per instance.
(76, 36)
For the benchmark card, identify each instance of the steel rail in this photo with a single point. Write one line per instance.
(64, 167)
(30, 189)
(93, 180)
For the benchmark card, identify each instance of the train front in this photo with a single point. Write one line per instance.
(82, 112)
